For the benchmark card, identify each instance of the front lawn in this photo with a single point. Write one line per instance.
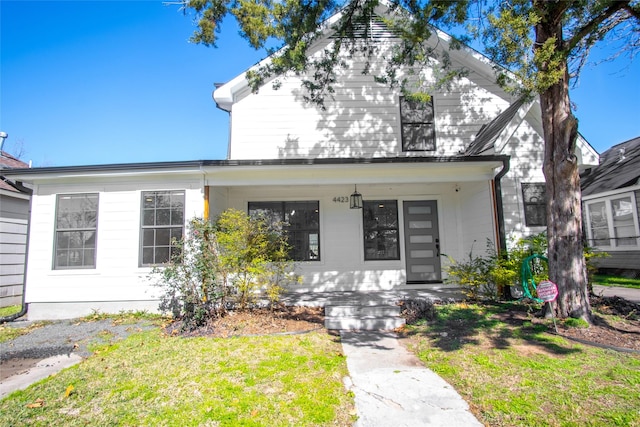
(151, 379)
(513, 372)
(625, 282)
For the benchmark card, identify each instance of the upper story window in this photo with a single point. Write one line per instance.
(75, 233)
(301, 220)
(535, 205)
(381, 234)
(417, 125)
(162, 226)
(612, 222)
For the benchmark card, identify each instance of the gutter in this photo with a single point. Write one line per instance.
(497, 193)
(24, 306)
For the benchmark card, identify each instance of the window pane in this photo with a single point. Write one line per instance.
(161, 255)
(162, 222)
(623, 226)
(76, 222)
(177, 216)
(163, 216)
(163, 237)
(417, 125)
(535, 208)
(147, 256)
(599, 224)
(148, 237)
(418, 137)
(300, 220)
(149, 217)
(380, 220)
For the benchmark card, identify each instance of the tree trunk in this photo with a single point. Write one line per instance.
(567, 266)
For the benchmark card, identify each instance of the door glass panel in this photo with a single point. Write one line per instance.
(421, 254)
(420, 224)
(422, 269)
(421, 239)
(419, 210)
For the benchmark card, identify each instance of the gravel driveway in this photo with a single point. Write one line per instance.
(61, 337)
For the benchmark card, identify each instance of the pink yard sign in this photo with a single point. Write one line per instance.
(547, 291)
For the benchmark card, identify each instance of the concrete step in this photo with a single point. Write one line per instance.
(363, 323)
(362, 311)
(363, 317)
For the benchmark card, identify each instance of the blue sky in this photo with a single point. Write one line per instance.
(95, 82)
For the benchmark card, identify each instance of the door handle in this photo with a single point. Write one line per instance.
(437, 247)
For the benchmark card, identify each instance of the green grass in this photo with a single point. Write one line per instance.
(8, 311)
(520, 375)
(625, 282)
(151, 379)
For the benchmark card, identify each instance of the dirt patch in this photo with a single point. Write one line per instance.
(280, 320)
(616, 324)
(13, 367)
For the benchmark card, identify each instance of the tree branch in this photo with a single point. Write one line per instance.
(593, 24)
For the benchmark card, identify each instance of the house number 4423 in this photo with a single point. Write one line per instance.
(341, 199)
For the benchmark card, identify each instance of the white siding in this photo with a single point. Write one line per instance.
(361, 119)
(342, 265)
(118, 282)
(526, 148)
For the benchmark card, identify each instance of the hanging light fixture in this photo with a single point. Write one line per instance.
(356, 199)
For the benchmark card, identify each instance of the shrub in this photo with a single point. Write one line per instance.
(189, 289)
(416, 309)
(485, 276)
(222, 265)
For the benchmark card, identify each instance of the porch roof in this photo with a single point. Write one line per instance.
(285, 171)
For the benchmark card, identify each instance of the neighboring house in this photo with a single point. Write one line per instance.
(440, 177)
(14, 219)
(611, 207)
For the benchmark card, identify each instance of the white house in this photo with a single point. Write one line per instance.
(437, 178)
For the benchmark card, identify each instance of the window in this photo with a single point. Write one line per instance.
(417, 125)
(301, 221)
(380, 221)
(76, 227)
(535, 208)
(162, 225)
(612, 222)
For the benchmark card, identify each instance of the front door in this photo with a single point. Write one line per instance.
(422, 241)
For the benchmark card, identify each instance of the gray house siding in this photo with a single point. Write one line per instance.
(13, 240)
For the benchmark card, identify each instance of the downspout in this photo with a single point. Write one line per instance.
(497, 195)
(24, 306)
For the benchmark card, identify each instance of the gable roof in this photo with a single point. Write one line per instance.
(226, 94)
(619, 167)
(487, 135)
(7, 161)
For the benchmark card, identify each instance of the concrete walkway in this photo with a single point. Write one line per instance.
(630, 294)
(393, 388)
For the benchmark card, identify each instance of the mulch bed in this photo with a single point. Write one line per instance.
(259, 321)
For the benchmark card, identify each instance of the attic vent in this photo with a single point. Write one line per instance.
(373, 29)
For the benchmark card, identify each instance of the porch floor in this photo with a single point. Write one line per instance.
(365, 298)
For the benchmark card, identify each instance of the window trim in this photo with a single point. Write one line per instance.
(607, 200)
(543, 203)
(283, 204)
(142, 227)
(397, 229)
(56, 230)
(403, 145)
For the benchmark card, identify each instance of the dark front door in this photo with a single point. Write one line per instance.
(422, 241)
